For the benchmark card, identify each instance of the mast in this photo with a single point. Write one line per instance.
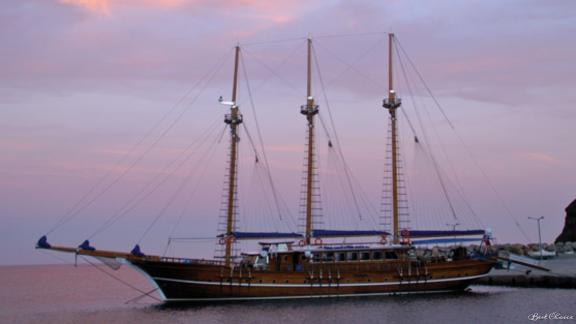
(233, 120)
(392, 103)
(309, 110)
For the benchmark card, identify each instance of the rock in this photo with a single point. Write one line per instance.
(569, 231)
(516, 249)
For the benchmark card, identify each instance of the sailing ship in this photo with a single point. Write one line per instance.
(301, 265)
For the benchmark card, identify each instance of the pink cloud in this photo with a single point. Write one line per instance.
(542, 157)
(7, 145)
(277, 12)
(96, 6)
(103, 6)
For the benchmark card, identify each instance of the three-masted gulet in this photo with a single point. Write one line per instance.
(302, 265)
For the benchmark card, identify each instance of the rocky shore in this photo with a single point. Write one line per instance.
(561, 248)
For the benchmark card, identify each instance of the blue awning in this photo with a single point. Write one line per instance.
(439, 233)
(263, 235)
(446, 240)
(344, 233)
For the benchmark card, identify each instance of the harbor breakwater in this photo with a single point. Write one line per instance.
(562, 274)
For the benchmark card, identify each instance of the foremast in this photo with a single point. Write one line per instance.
(310, 109)
(233, 119)
(392, 103)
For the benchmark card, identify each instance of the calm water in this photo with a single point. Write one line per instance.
(65, 294)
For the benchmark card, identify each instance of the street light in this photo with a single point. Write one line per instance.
(453, 225)
(539, 235)
(453, 228)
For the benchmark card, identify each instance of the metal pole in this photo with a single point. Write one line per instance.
(539, 233)
(453, 225)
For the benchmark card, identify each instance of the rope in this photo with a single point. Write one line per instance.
(127, 284)
(185, 209)
(183, 185)
(142, 194)
(276, 196)
(336, 138)
(468, 151)
(271, 70)
(78, 207)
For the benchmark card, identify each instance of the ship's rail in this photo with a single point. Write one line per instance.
(184, 260)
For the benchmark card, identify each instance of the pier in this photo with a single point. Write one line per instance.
(562, 274)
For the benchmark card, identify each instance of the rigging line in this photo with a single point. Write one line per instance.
(183, 185)
(271, 70)
(191, 238)
(143, 195)
(277, 197)
(351, 34)
(273, 41)
(336, 138)
(443, 186)
(458, 186)
(137, 298)
(77, 211)
(127, 284)
(251, 143)
(325, 130)
(377, 84)
(145, 192)
(425, 84)
(434, 161)
(45, 252)
(468, 151)
(256, 174)
(140, 195)
(187, 206)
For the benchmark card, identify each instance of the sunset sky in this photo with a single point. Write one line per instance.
(97, 90)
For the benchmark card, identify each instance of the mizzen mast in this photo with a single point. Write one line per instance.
(233, 119)
(392, 103)
(309, 110)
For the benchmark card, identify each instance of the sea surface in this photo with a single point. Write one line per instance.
(85, 294)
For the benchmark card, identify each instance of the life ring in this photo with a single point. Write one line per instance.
(405, 236)
(223, 240)
(383, 240)
(318, 241)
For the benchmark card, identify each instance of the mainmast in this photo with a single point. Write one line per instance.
(392, 103)
(309, 110)
(234, 118)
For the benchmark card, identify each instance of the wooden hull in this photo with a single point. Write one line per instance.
(200, 282)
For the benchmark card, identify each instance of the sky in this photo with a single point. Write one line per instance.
(112, 105)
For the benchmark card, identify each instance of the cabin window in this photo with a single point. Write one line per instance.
(391, 255)
(329, 256)
(285, 258)
(365, 255)
(341, 257)
(316, 258)
(377, 255)
(353, 256)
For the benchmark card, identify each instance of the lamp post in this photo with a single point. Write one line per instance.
(453, 228)
(453, 225)
(539, 235)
